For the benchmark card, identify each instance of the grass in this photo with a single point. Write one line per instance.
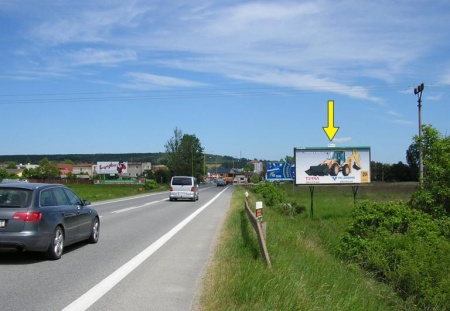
(306, 274)
(95, 193)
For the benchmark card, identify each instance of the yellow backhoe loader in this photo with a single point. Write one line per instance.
(336, 163)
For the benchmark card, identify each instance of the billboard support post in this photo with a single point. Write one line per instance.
(311, 191)
(355, 190)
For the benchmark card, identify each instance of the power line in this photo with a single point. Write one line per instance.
(38, 98)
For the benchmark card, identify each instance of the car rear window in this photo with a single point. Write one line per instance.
(182, 181)
(13, 197)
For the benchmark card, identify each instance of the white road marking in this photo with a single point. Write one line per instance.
(135, 207)
(96, 292)
(125, 199)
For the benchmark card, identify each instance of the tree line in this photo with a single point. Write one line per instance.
(184, 155)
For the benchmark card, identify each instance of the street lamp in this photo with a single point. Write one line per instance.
(418, 91)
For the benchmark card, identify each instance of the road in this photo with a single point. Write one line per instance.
(151, 256)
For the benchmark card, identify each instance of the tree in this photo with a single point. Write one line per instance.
(412, 158)
(11, 165)
(185, 155)
(248, 168)
(288, 159)
(71, 176)
(3, 174)
(433, 196)
(378, 171)
(172, 149)
(162, 176)
(46, 170)
(401, 172)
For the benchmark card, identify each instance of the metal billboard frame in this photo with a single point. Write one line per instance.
(331, 170)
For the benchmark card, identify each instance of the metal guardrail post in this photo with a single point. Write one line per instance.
(260, 229)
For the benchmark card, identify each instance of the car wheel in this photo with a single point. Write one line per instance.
(95, 233)
(56, 246)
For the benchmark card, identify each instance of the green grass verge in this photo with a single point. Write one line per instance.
(306, 274)
(96, 193)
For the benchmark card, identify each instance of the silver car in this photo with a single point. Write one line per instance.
(44, 218)
(183, 187)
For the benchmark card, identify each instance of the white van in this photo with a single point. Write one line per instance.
(183, 187)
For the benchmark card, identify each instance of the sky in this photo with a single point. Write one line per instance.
(250, 79)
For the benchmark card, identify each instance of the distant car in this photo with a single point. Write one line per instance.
(44, 218)
(221, 183)
(183, 187)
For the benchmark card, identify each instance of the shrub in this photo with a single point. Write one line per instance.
(402, 246)
(290, 209)
(150, 185)
(272, 194)
(276, 198)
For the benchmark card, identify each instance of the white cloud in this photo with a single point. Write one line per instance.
(436, 97)
(404, 122)
(145, 81)
(90, 56)
(87, 23)
(394, 113)
(342, 140)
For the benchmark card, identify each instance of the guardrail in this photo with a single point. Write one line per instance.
(259, 226)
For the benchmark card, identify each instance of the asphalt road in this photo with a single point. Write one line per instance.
(151, 255)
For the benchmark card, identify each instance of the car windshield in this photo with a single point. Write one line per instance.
(182, 181)
(14, 197)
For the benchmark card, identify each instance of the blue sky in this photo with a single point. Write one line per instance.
(249, 78)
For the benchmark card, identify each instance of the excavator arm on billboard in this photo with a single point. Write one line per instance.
(355, 158)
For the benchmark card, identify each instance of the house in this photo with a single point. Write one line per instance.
(27, 166)
(258, 166)
(65, 169)
(17, 172)
(220, 173)
(85, 169)
(136, 169)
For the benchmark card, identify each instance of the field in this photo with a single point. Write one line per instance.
(306, 273)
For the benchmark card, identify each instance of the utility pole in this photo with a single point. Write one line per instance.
(418, 91)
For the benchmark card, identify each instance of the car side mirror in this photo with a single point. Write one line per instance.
(86, 202)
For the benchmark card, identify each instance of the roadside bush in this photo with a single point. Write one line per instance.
(150, 185)
(403, 247)
(272, 194)
(276, 198)
(290, 209)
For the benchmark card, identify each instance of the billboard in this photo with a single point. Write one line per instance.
(280, 171)
(112, 167)
(332, 165)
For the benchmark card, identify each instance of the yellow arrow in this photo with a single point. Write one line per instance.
(330, 130)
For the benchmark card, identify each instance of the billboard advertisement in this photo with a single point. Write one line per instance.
(332, 165)
(280, 171)
(112, 167)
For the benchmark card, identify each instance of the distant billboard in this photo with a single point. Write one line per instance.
(280, 171)
(112, 167)
(332, 165)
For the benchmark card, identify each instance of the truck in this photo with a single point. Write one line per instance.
(228, 180)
